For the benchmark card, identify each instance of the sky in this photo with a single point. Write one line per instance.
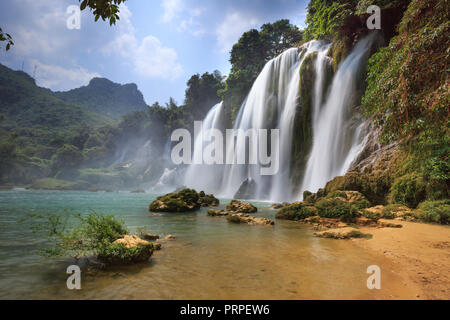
(158, 45)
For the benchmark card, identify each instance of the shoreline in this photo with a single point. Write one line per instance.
(419, 252)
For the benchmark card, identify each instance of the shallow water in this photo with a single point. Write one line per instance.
(210, 259)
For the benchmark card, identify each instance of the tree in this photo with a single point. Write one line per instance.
(249, 55)
(201, 93)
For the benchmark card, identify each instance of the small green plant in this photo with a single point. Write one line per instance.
(77, 235)
(435, 211)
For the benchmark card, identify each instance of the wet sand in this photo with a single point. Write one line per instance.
(419, 253)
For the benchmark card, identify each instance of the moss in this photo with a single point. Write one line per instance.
(296, 211)
(302, 137)
(182, 201)
(435, 211)
(242, 207)
(409, 190)
(337, 208)
(207, 200)
(119, 254)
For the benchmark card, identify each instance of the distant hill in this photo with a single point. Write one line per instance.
(106, 97)
(26, 105)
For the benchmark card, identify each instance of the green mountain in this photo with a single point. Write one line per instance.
(25, 105)
(106, 97)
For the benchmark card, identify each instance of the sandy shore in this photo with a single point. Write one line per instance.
(420, 254)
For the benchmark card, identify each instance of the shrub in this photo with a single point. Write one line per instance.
(296, 211)
(409, 190)
(119, 254)
(337, 208)
(435, 211)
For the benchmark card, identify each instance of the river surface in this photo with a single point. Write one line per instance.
(209, 259)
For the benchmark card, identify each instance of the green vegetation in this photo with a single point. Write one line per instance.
(435, 211)
(296, 211)
(183, 201)
(248, 57)
(408, 98)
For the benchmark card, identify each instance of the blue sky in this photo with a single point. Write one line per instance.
(156, 44)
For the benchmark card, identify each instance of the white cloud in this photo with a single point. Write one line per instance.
(149, 57)
(171, 9)
(59, 78)
(233, 26)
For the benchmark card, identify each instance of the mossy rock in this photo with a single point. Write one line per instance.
(182, 201)
(118, 254)
(409, 190)
(435, 211)
(241, 206)
(344, 205)
(207, 200)
(296, 211)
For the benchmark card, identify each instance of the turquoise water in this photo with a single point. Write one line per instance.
(210, 258)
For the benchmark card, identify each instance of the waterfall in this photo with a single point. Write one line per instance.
(272, 103)
(337, 140)
(203, 176)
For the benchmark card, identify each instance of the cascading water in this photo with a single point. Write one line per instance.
(203, 176)
(272, 103)
(336, 140)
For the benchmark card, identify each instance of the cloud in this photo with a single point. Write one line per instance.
(148, 57)
(171, 9)
(59, 78)
(233, 26)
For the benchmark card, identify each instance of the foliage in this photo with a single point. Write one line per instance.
(119, 254)
(296, 211)
(249, 55)
(105, 9)
(6, 37)
(77, 235)
(435, 211)
(408, 91)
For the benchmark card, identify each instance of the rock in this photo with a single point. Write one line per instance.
(207, 200)
(218, 213)
(296, 211)
(344, 205)
(320, 223)
(246, 218)
(182, 201)
(131, 241)
(277, 206)
(246, 190)
(341, 233)
(364, 221)
(127, 250)
(241, 207)
(149, 236)
(382, 223)
(169, 237)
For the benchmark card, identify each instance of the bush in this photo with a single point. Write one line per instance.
(435, 211)
(296, 211)
(409, 190)
(337, 208)
(119, 254)
(77, 235)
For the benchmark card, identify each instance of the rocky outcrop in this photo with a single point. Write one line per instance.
(248, 219)
(341, 233)
(183, 201)
(207, 200)
(296, 211)
(241, 207)
(127, 250)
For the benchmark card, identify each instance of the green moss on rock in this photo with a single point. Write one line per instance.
(296, 211)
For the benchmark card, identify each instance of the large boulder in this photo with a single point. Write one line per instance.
(341, 233)
(127, 250)
(344, 205)
(241, 207)
(248, 219)
(183, 201)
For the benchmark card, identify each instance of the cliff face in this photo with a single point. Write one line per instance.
(106, 97)
(405, 100)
